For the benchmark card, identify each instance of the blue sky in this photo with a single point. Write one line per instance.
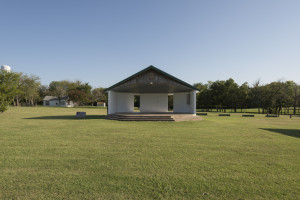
(103, 42)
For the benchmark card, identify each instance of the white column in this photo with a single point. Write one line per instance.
(193, 102)
(125, 102)
(112, 106)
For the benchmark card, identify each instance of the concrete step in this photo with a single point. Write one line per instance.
(152, 117)
(142, 117)
(139, 118)
(166, 120)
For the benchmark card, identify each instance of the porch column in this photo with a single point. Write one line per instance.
(112, 102)
(193, 102)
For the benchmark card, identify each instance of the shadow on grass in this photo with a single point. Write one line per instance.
(288, 132)
(68, 117)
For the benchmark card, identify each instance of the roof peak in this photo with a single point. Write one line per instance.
(157, 70)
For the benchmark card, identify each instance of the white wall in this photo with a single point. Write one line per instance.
(151, 102)
(181, 105)
(59, 104)
(70, 104)
(112, 102)
(125, 102)
(54, 103)
(120, 102)
(154, 102)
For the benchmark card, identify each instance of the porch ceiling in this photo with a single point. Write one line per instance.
(152, 87)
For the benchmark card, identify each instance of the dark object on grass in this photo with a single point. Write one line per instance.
(294, 116)
(80, 115)
(202, 114)
(272, 115)
(227, 115)
(247, 115)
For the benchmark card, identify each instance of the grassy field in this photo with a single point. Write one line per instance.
(45, 153)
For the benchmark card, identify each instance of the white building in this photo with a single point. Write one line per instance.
(101, 104)
(59, 102)
(153, 87)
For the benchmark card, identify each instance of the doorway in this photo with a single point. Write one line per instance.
(170, 102)
(136, 103)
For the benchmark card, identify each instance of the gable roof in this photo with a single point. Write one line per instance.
(151, 67)
(52, 98)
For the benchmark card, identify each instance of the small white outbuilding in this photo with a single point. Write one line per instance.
(153, 86)
(59, 102)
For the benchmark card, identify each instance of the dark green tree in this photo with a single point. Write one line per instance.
(230, 94)
(203, 97)
(243, 96)
(30, 89)
(8, 88)
(218, 94)
(98, 94)
(255, 96)
(81, 94)
(60, 88)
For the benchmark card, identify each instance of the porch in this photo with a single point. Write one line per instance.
(154, 116)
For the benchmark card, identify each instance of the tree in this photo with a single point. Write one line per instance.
(59, 88)
(243, 95)
(276, 96)
(43, 91)
(296, 97)
(203, 97)
(8, 88)
(17, 98)
(81, 93)
(30, 89)
(256, 95)
(98, 94)
(231, 94)
(218, 94)
(282, 95)
(77, 96)
(227, 94)
(77, 91)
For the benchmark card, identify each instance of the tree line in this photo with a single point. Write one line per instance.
(267, 98)
(78, 92)
(20, 89)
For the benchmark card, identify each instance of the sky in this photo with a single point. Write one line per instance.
(104, 42)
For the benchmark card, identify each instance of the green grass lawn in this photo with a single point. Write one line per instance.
(45, 153)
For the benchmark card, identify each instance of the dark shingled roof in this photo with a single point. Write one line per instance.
(148, 69)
